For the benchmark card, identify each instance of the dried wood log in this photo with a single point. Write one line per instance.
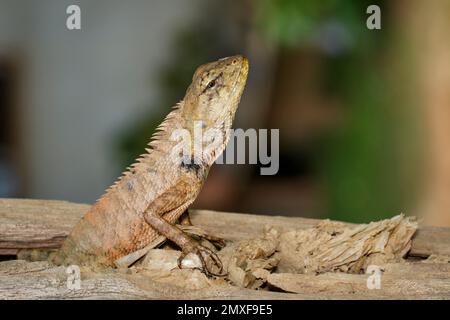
(412, 280)
(26, 223)
(44, 224)
(39, 280)
(333, 246)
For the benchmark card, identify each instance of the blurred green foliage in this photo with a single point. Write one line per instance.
(357, 162)
(294, 22)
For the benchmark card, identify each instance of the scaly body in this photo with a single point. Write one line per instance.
(155, 191)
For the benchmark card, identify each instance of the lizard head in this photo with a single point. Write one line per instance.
(215, 91)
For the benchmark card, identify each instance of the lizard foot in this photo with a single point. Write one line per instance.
(202, 252)
(199, 233)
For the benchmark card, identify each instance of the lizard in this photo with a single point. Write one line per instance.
(152, 194)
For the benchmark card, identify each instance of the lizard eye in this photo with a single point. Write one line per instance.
(211, 84)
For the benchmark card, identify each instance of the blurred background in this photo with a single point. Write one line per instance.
(364, 115)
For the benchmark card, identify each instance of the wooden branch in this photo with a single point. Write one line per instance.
(26, 224)
(25, 280)
(39, 280)
(412, 280)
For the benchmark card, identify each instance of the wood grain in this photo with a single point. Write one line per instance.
(26, 223)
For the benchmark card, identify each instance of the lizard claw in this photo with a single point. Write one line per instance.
(219, 243)
(199, 233)
(202, 251)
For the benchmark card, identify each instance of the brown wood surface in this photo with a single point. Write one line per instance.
(26, 224)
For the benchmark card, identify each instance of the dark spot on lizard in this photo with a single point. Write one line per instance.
(130, 186)
(191, 166)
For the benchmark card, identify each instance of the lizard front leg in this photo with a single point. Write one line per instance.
(186, 243)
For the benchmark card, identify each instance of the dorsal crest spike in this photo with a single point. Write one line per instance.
(158, 137)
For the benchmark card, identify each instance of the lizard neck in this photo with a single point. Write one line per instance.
(208, 138)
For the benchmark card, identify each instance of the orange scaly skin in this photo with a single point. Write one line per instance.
(119, 223)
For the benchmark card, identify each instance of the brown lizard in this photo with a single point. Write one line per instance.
(152, 194)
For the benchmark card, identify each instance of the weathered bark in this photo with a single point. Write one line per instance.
(28, 223)
(408, 280)
(30, 280)
(44, 224)
(38, 280)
